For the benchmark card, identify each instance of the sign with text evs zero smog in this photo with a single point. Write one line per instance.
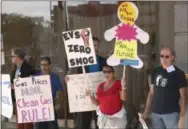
(34, 99)
(6, 97)
(79, 47)
(78, 101)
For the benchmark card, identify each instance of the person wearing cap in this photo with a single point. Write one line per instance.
(21, 69)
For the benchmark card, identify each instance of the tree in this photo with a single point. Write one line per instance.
(17, 30)
(21, 31)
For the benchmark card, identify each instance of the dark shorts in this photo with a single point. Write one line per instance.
(47, 124)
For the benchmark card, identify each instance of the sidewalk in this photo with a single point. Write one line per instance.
(11, 124)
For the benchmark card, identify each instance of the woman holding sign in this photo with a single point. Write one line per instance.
(110, 94)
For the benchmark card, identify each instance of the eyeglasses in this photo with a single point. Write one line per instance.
(13, 56)
(107, 72)
(165, 56)
(44, 64)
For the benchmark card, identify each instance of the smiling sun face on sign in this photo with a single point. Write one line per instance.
(127, 13)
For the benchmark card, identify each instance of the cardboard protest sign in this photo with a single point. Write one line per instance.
(126, 49)
(126, 34)
(6, 97)
(79, 47)
(34, 99)
(78, 101)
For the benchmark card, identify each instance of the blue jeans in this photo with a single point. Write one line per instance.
(165, 121)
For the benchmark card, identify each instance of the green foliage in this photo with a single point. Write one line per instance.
(16, 29)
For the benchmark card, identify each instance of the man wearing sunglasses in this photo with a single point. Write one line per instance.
(83, 119)
(167, 96)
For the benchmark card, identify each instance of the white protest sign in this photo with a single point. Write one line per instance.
(34, 99)
(79, 47)
(6, 98)
(78, 101)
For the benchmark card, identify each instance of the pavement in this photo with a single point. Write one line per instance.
(11, 123)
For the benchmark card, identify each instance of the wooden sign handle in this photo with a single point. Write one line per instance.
(124, 70)
(85, 77)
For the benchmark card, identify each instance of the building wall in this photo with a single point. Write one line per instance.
(181, 34)
(172, 30)
(165, 25)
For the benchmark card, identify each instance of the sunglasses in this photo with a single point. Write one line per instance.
(165, 56)
(107, 72)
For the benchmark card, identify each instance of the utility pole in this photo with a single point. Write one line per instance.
(2, 51)
(58, 22)
(50, 13)
(67, 15)
(49, 32)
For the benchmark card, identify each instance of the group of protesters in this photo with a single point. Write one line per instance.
(166, 101)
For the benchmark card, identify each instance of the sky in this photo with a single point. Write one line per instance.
(37, 8)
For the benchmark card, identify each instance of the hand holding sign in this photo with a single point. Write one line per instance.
(11, 86)
(88, 92)
(145, 115)
(66, 79)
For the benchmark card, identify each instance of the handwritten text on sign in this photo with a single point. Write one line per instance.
(127, 13)
(78, 101)
(79, 47)
(6, 98)
(126, 49)
(34, 99)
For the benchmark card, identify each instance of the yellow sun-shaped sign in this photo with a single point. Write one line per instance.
(127, 13)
